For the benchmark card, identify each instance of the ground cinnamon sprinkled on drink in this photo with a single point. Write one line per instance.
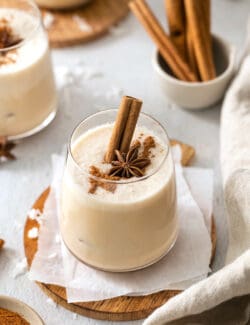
(7, 36)
(94, 184)
(148, 144)
(8, 39)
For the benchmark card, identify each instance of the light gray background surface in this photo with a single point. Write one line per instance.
(125, 62)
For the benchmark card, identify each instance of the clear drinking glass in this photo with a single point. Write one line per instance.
(61, 4)
(28, 97)
(128, 229)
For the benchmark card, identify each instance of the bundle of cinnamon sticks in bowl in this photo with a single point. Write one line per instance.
(194, 67)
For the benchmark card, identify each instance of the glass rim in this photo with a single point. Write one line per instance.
(122, 181)
(37, 12)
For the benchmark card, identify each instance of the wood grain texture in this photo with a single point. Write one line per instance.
(100, 15)
(123, 308)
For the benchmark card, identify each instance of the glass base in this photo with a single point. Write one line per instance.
(124, 270)
(35, 130)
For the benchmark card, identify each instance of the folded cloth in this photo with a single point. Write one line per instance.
(222, 286)
(235, 160)
(211, 300)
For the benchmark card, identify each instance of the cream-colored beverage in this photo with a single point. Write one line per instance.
(28, 98)
(61, 4)
(121, 225)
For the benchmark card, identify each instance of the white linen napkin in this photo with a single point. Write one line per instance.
(212, 300)
(187, 263)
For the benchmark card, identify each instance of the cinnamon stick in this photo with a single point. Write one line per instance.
(175, 12)
(119, 127)
(206, 17)
(190, 52)
(167, 49)
(198, 22)
(131, 124)
(206, 7)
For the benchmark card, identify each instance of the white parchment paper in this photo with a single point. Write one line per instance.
(186, 263)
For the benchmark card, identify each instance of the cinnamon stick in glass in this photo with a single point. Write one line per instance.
(130, 125)
(124, 127)
(118, 128)
(198, 22)
(175, 12)
(167, 49)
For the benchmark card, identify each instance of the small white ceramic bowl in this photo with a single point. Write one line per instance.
(20, 308)
(198, 95)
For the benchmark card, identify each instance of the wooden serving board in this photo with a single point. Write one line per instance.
(99, 15)
(123, 308)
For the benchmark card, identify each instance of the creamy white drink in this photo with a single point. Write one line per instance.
(122, 226)
(61, 4)
(28, 98)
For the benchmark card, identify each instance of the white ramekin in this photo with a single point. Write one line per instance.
(198, 95)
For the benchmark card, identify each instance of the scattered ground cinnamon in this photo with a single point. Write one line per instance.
(7, 36)
(94, 184)
(11, 318)
(148, 144)
(1, 243)
(7, 39)
(136, 143)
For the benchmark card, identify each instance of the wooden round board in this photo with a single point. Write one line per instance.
(73, 27)
(123, 308)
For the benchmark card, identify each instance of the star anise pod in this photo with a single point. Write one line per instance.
(129, 165)
(5, 149)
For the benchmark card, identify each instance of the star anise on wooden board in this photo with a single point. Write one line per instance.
(5, 149)
(129, 165)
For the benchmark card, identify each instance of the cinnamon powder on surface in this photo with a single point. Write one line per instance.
(8, 317)
(1, 243)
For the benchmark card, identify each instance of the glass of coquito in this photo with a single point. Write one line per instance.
(61, 4)
(28, 97)
(118, 203)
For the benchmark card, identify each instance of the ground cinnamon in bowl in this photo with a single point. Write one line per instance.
(8, 317)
